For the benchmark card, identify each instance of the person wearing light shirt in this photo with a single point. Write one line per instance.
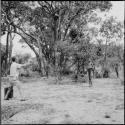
(14, 77)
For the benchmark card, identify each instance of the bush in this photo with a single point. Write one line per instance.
(79, 78)
(106, 73)
(25, 72)
(66, 72)
(82, 79)
(97, 74)
(74, 77)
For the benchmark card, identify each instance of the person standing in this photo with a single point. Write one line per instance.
(89, 70)
(116, 70)
(93, 70)
(14, 77)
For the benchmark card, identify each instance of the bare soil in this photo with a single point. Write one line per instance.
(67, 103)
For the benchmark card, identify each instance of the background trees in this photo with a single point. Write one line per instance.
(110, 29)
(58, 31)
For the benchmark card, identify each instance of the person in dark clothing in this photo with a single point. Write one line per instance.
(89, 70)
(116, 70)
(93, 70)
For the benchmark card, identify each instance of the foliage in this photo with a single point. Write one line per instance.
(43, 25)
(3, 49)
(112, 28)
(23, 58)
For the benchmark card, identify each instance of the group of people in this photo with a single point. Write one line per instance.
(15, 71)
(14, 77)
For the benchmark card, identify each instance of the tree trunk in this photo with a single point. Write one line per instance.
(7, 44)
(41, 58)
(39, 63)
(10, 48)
(33, 49)
(105, 56)
(0, 63)
(54, 52)
(105, 72)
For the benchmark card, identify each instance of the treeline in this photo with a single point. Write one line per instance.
(61, 33)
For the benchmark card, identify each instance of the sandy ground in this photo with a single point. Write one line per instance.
(68, 103)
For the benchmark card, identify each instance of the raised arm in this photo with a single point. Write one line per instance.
(24, 65)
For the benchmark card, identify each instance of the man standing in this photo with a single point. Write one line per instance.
(116, 70)
(14, 77)
(89, 70)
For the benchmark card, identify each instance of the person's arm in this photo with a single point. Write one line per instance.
(23, 65)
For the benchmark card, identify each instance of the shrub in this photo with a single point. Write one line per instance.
(79, 78)
(106, 72)
(97, 74)
(66, 72)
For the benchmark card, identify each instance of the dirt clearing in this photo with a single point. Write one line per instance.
(66, 103)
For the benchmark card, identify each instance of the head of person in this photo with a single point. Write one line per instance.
(13, 59)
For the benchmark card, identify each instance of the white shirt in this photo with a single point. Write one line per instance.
(14, 69)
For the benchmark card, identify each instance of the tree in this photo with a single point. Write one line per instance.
(23, 58)
(3, 58)
(14, 16)
(111, 28)
(63, 14)
(49, 20)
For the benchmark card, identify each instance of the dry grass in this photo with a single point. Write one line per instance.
(66, 103)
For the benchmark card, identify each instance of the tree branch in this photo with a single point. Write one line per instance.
(24, 32)
(73, 17)
(52, 6)
(44, 6)
(26, 42)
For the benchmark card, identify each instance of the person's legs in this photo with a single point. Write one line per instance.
(117, 73)
(18, 85)
(93, 73)
(89, 75)
(90, 82)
